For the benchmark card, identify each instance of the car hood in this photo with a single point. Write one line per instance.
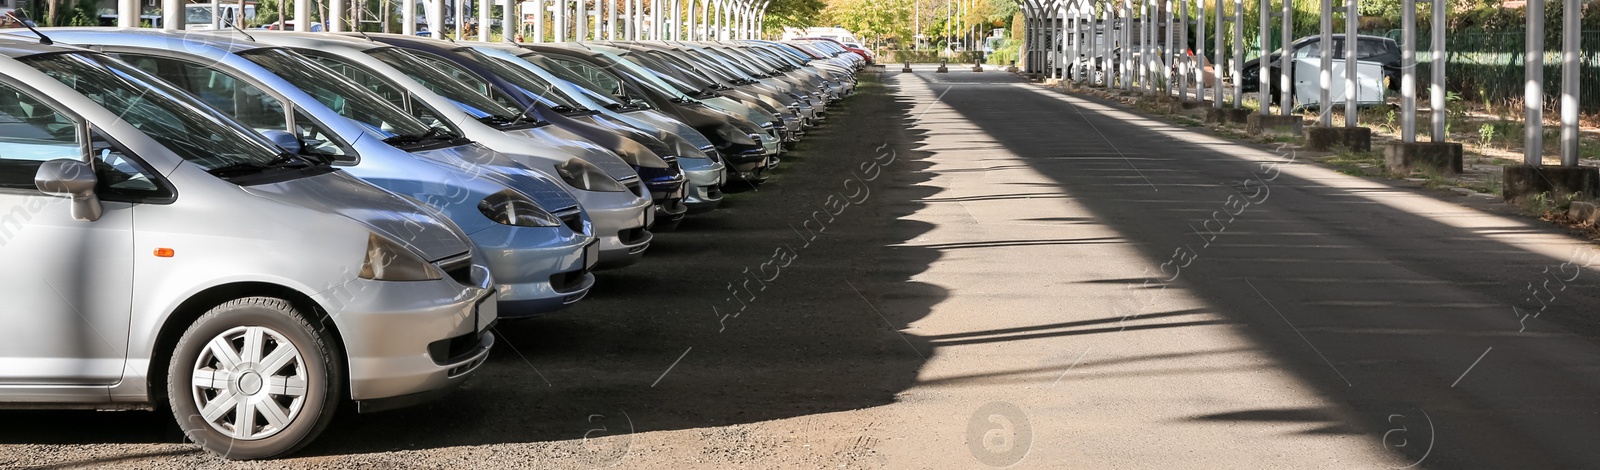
(416, 226)
(483, 162)
(572, 145)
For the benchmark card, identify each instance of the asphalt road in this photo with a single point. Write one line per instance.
(962, 270)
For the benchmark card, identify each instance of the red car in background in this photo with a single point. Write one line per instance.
(852, 48)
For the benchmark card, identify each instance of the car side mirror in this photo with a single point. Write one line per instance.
(72, 179)
(284, 139)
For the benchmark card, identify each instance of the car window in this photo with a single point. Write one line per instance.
(362, 77)
(167, 115)
(247, 103)
(32, 133)
(1370, 48)
(506, 105)
(241, 100)
(119, 175)
(1312, 49)
(593, 75)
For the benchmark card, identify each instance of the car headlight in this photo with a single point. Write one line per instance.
(388, 260)
(512, 208)
(585, 176)
(732, 135)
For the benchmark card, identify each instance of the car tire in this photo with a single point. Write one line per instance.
(229, 345)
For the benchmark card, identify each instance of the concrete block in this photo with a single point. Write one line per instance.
(1524, 181)
(942, 69)
(1196, 104)
(1327, 138)
(906, 68)
(1227, 115)
(1012, 69)
(977, 68)
(1438, 157)
(1584, 212)
(1258, 124)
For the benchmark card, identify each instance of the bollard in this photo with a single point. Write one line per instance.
(907, 67)
(942, 68)
(977, 65)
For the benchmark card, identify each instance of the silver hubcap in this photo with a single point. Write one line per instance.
(249, 383)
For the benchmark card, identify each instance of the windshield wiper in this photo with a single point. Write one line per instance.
(411, 139)
(283, 160)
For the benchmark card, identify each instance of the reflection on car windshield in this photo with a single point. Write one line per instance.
(338, 93)
(172, 118)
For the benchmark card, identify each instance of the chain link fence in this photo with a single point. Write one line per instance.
(1488, 68)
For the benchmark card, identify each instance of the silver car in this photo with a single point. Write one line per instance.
(158, 253)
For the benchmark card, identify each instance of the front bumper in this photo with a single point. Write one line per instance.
(621, 220)
(407, 341)
(539, 269)
(704, 190)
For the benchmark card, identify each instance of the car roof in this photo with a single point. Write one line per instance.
(18, 46)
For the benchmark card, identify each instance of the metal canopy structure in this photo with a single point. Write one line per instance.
(1148, 45)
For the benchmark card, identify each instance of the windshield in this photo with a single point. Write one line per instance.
(339, 94)
(429, 75)
(714, 63)
(533, 86)
(185, 127)
(645, 77)
(734, 61)
(705, 79)
(569, 87)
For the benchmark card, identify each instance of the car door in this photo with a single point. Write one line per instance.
(67, 283)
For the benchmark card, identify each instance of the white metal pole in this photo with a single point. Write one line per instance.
(408, 17)
(1235, 68)
(1436, 68)
(302, 14)
(1127, 45)
(1286, 36)
(1408, 71)
(1264, 72)
(1200, 21)
(561, 20)
(458, 19)
(1325, 68)
(655, 20)
(1533, 87)
(172, 14)
(128, 13)
(1172, 55)
(538, 20)
(1148, 43)
(1352, 92)
(509, 20)
(1217, 63)
(1188, 60)
(1570, 29)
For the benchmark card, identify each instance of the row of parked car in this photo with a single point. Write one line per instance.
(252, 228)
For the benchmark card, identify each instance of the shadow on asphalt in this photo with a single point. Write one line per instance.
(1399, 304)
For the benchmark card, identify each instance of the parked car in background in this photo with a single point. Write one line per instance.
(1368, 48)
(258, 290)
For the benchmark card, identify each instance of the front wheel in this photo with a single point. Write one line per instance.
(252, 379)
